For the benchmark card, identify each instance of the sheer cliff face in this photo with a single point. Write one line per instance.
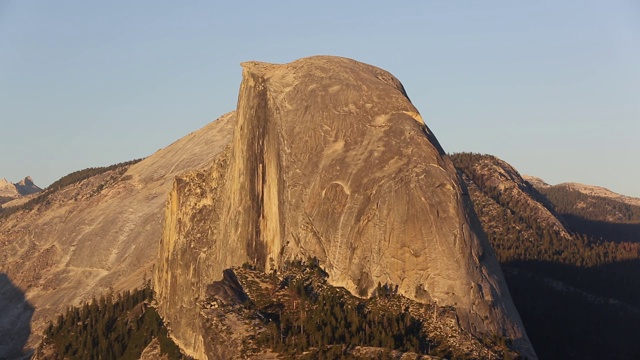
(330, 159)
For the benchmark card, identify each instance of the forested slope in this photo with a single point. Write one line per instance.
(576, 285)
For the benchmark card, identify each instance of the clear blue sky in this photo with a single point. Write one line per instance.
(552, 87)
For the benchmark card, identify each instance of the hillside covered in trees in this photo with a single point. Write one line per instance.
(574, 277)
(295, 313)
(291, 314)
(112, 327)
(601, 217)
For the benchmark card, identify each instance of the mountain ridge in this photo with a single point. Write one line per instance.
(587, 189)
(586, 277)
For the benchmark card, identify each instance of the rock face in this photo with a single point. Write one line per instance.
(7, 189)
(330, 159)
(100, 233)
(153, 352)
(27, 187)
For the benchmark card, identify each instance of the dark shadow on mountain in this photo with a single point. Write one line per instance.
(573, 312)
(546, 202)
(592, 215)
(15, 320)
(610, 231)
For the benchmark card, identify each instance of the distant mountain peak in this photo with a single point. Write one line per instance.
(586, 187)
(26, 186)
(600, 191)
(10, 191)
(591, 190)
(27, 181)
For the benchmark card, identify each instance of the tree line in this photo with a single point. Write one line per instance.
(309, 316)
(111, 327)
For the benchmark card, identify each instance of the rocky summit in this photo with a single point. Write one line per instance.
(330, 159)
(10, 191)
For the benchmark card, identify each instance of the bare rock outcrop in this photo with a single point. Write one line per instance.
(26, 186)
(10, 191)
(153, 352)
(101, 233)
(330, 159)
